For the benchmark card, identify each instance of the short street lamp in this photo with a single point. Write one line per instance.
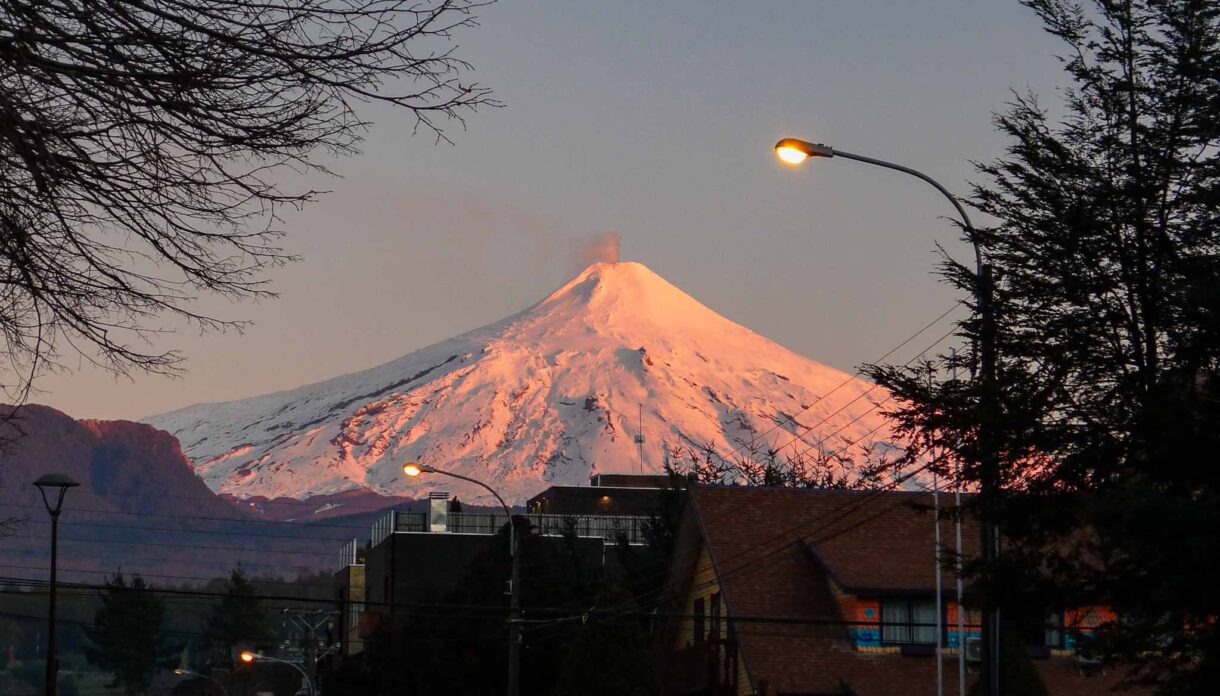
(794, 151)
(58, 485)
(514, 617)
(188, 673)
(248, 657)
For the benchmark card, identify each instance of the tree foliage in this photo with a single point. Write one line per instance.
(237, 620)
(126, 637)
(1106, 254)
(144, 145)
(610, 656)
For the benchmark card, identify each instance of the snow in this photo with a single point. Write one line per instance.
(546, 396)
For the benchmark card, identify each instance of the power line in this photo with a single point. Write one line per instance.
(202, 547)
(854, 376)
(244, 520)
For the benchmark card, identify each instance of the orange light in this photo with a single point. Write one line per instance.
(791, 155)
(411, 469)
(247, 656)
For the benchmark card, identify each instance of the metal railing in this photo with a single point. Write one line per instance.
(608, 527)
(411, 522)
(349, 554)
(477, 522)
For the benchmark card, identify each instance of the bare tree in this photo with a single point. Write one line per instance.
(861, 464)
(143, 144)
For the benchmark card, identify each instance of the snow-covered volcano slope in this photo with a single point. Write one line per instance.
(546, 396)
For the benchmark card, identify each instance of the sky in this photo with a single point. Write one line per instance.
(655, 121)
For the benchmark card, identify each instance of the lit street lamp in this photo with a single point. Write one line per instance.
(58, 484)
(188, 673)
(794, 151)
(514, 616)
(248, 657)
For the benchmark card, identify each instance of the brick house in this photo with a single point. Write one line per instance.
(804, 592)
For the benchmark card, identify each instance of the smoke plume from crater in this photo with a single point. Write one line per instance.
(601, 248)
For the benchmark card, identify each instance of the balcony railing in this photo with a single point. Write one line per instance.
(609, 527)
(410, 522)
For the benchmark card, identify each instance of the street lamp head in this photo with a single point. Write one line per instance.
(247, 656)
(57, 483)
(795, 151)
(415, 469)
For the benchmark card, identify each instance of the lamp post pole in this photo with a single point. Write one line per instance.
(514, 613)
(58, 484)
(795, 151)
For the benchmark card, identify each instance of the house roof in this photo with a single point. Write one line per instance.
(785, 553)
(867, 541)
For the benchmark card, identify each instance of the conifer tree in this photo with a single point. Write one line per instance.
(126, 638)
(237, 619)
(610, 656)
(1106, 254)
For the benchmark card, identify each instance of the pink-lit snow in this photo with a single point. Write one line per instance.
(546, 396)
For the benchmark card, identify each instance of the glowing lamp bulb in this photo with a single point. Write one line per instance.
(791, 155)
(411, 469)
(247, 656)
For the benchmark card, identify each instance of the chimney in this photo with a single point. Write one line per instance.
(438, 512)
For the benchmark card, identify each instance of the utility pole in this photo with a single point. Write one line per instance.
(957, 525)
(514, 613)
(989, 469)
(309, 621)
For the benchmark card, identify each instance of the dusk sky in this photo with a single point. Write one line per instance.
(655, 121)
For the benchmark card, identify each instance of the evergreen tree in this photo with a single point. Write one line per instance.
(126, 637)
(1106, 255)
(238, 619)
(1020, 678)
(611, 655)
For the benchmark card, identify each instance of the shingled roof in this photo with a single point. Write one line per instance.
(782, 554)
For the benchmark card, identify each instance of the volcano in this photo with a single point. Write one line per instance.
(547, 396)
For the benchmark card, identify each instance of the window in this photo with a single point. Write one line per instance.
(908, 621)
(715, 632)
(1049, 633)
(699, 623)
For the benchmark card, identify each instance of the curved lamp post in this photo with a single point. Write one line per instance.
(248, 657)
(188, 673)
(514, 617)
(57, 485)
(795, 151)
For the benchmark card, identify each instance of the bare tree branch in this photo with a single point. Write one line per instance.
(141, 141)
